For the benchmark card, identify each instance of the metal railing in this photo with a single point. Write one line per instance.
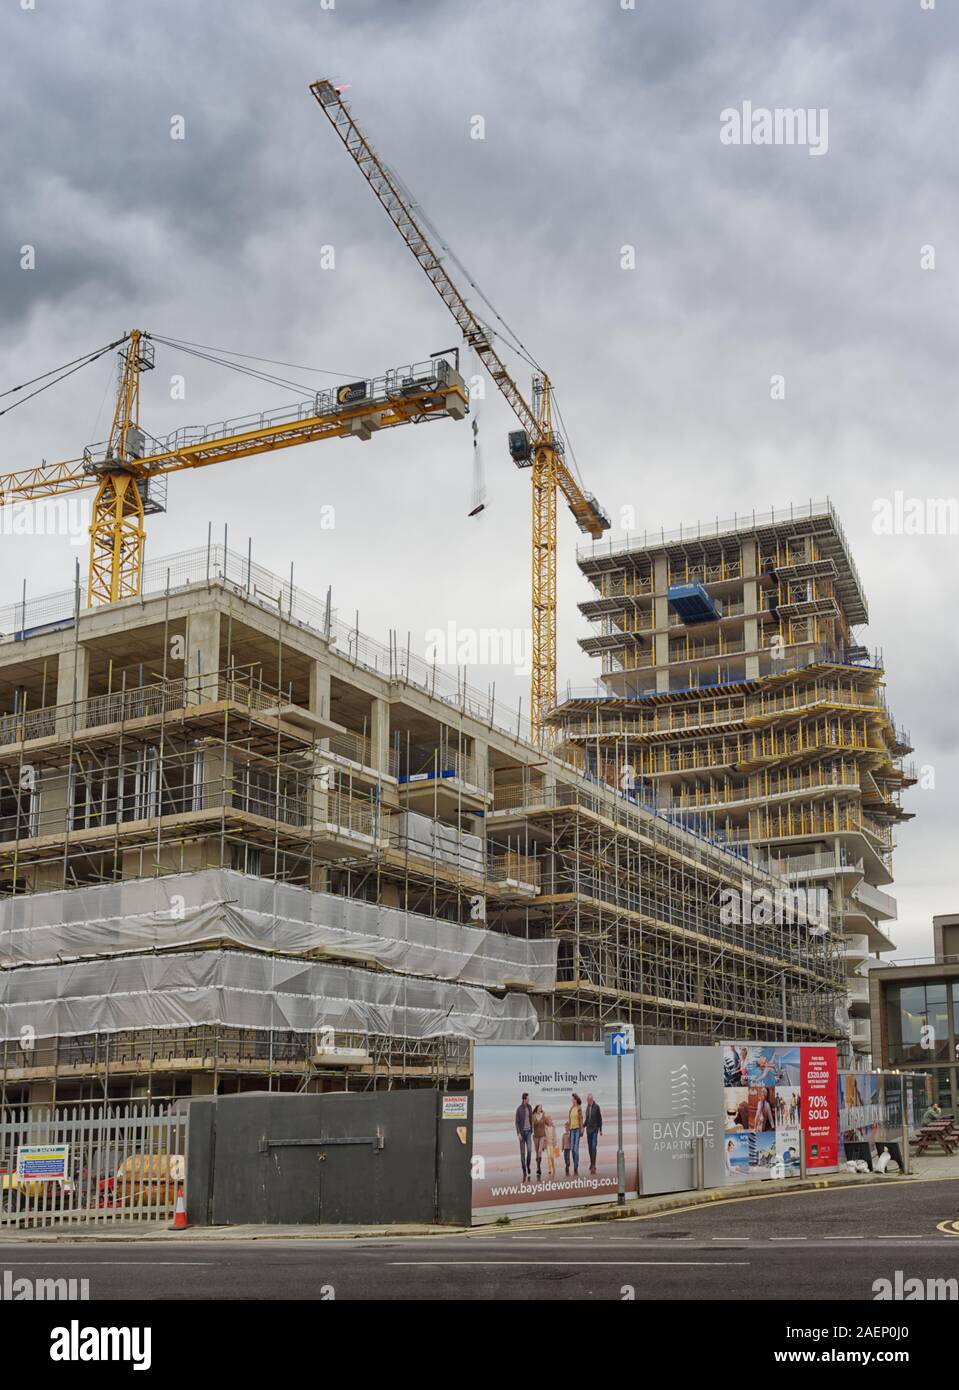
(216, 564)
(120, 1163)
(731, 526)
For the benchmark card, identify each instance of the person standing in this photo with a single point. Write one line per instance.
(524, 1132)
(594, 1128)
(551, 1149)
(575, 1130)
(567, 1145)
(541, 1123)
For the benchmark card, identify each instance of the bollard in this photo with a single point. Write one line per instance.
(802, 1153)
(699, 1164)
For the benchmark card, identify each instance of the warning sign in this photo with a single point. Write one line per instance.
(43, 1162)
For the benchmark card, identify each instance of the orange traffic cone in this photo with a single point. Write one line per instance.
(180, 1222)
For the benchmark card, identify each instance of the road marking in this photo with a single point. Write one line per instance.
(948, 1228)
(727, 1237)
(570, 1264)
(917, 1237)
(844, 1237)
(100, 1264)
(788, 1237)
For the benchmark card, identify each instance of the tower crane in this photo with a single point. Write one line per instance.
(539, 444)
(128, 470)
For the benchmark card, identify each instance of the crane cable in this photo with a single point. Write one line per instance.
(66, 370)
(255, 357)
(299, 387)
(510, 336)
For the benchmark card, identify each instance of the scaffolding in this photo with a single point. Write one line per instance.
(506, 888)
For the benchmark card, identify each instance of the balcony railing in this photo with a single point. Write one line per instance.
(811, 863)
(874, 898)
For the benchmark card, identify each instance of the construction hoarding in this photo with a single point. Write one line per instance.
(772, 1092)
(558, 1146)
(679, 1100)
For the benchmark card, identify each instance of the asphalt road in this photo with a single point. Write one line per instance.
(829, 1244)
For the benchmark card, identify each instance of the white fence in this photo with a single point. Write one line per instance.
(122, 1163)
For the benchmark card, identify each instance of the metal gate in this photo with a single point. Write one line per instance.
(122, 1163)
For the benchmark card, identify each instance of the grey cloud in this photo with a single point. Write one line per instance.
(602, 130)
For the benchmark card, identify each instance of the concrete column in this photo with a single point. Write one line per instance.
(54, 788)
(73, 685)
(215, 775)
(481, 764)
(321, 784)
(202, 654)
(320, 879)
(319, 689)
(750, 566)
(203, 1083)
(380, 735)
(660, 619)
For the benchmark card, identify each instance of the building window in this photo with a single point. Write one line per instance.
(918, 1023)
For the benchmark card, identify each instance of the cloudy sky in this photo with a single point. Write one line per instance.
(601, 130)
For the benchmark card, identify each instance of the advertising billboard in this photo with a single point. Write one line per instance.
(772, 1092)
(870, 1107)
(679, 1094)
(544, 1126)
(820, 1107)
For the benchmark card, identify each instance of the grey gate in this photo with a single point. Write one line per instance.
(122, 1162)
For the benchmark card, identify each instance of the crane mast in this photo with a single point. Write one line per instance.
(538, 446)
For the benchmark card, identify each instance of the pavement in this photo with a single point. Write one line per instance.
(833, 1242)
(112, 1230)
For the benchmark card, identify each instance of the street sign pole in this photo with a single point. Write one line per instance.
(619, 1042)
(620, 1156)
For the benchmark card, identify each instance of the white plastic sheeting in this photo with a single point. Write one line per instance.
(434, 840)
(216, 905)
(236, 990)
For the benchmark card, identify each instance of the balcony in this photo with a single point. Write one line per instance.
(823, 862)
(882, 904)
(857, 948)
(860, 1034)
(444, 780)
(857, 992)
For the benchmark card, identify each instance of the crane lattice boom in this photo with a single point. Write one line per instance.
(540, 446)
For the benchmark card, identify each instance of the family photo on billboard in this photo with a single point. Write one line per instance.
(544, 1126)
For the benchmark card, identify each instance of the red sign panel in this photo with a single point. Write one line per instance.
(820, 1106)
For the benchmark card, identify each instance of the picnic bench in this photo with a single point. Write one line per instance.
(939, 1132)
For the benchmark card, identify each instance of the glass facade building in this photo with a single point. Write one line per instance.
(916, 1017)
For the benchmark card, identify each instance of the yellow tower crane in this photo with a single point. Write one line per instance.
(129, 473)
(538, 445)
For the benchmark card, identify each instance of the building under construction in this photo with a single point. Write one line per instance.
(737, 698)
(241, 846)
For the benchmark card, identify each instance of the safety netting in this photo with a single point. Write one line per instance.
(124, 955)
